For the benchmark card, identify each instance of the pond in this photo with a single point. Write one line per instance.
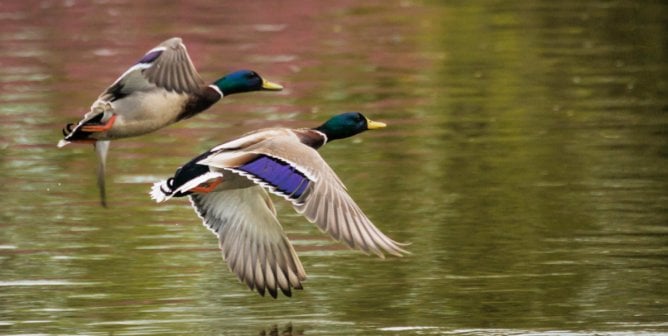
(525, 160)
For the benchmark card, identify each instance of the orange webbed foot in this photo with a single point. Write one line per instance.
(100, 128)
(84, 141)
(207, 187)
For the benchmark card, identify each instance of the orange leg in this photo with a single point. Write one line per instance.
(85, 141)
(100, 128)
(207, 187)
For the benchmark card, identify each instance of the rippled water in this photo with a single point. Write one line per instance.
(525, 159)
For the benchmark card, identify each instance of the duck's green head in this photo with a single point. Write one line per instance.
(348, 124)
(244, 81)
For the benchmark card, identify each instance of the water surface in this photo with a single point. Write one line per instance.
(525, 160)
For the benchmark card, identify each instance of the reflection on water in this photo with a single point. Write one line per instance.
(525, 160)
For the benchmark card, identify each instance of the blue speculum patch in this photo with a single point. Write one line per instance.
(151, 56)
(281, 175)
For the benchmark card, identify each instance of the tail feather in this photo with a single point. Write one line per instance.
(72, 132)
(160, 191)
(166, 189)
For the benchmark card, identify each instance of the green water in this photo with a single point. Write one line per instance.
(526, 160)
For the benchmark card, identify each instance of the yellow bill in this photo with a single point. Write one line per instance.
(267, 85)
(370, 124)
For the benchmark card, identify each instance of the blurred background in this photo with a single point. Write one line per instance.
(526, 160)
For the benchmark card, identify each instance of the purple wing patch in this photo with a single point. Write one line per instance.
(151, 56)
(286, 179)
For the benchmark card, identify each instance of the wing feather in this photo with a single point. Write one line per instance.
(324, 201)
(251, 239)
(173, 70)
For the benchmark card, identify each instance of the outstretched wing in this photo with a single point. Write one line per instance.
(172, 68)
(286, 167)
(166, 66)
(251, 239)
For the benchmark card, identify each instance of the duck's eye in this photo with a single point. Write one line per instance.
(252, 75)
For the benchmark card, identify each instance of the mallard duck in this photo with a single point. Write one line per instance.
(161, 89)
(228, 187)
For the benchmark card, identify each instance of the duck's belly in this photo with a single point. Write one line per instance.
(143, 113)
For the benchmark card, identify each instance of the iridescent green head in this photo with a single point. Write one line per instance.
(244, 81)
(347, 124)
